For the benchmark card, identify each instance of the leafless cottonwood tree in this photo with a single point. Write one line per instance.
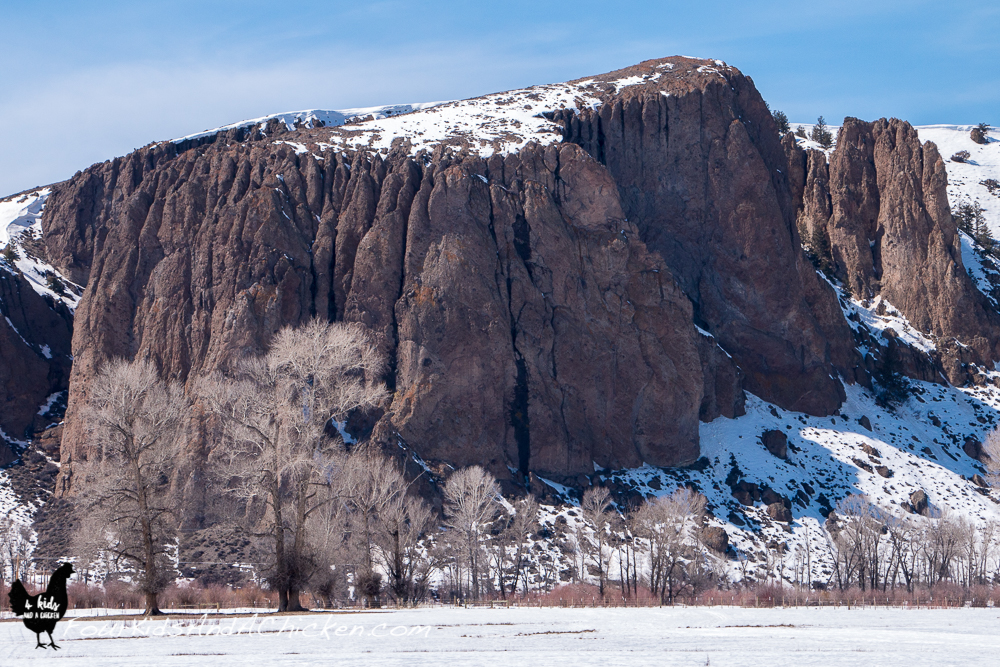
(15, 546)
(596, 509)
(135, 419)
(385, 523)
(472, 500)
(277, 413)
(670, 525)
(509, 543)
(402, 523)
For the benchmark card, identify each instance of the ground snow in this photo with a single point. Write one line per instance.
(663, 636)
(501, 122)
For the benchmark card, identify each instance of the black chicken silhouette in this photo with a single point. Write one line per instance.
(41, 612)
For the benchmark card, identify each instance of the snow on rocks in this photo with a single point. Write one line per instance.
(21, 224)
(497, 123)
(805, 143)
(969, 180)
(916, 447)
(315, 118)
(20, 213)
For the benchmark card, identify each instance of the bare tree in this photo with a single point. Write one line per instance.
(670, 524)
(596, 509)
(277, 413)
(135, 418)
(15, 546)
(385, 524)
(472, 500)
(403, 523)
(509, 543)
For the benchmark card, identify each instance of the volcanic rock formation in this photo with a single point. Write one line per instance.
(883, 203)
(575, 289)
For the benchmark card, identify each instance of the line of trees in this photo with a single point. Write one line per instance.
(875, 550)
(342, 521)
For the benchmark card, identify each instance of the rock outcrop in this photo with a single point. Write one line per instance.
(527, 324)
(883, 203)
(35, 336)
(543, 309)
(701, 172)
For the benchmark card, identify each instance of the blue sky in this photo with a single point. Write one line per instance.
(84, 82)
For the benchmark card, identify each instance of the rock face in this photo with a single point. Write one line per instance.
(544, 308)
(883, 202)
(35, 334)
(527, 324)
(701, 172)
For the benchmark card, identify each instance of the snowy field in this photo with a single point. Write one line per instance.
(721, 636)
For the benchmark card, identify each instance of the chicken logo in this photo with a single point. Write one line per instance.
(41, 612)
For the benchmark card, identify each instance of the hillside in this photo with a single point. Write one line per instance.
(613, 280)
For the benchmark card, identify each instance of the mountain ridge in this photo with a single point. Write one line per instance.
(592, 289)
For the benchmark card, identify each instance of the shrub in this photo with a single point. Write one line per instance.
(820, 134)
(800, 131)
(55, 284)
(10, 254)
(960, 156)
(781, 120)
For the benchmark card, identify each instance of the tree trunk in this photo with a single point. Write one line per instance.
(152, 606)
(282, 599)
(293, 601)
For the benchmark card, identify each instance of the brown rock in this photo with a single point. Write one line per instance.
(918, 500)
(775, 442)
(701, 172)
(779, 512)
(978, 136)
(979, 481)
(892, 235)
(973, 448)
(769, 496)
(747, 493)
(30, 372)
(716, 539)
(526, 321)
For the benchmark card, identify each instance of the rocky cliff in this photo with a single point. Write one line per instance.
(35, 337)
(882, 202)
(699, 165)
(562, 277)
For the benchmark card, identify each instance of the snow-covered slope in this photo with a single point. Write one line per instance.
(317, 118)
(21, 223)
(498, 123)
(967, 181)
